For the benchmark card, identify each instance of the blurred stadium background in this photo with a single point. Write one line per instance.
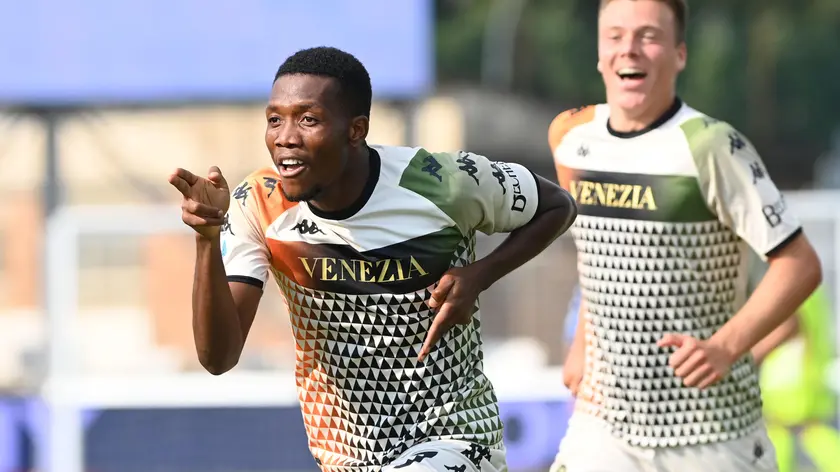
(100, 100)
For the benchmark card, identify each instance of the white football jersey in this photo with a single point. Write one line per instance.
(357, 284)
(666, 219)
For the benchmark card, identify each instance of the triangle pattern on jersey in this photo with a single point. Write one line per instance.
(365, 399)
(640, 280)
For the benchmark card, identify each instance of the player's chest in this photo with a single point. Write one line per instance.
(373, 255)
(641, 179)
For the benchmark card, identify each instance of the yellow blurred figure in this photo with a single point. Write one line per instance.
(798, 403)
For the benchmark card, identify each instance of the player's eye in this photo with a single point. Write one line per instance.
(273, 120)
(309, 120)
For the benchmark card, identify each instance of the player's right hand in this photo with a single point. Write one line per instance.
(573, 367)
(205, 200)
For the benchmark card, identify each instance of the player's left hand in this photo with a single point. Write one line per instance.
(453, 300)
(699, 363)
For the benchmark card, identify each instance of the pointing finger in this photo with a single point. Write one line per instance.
(180, 184)
(186, 175)
(440, 325)
(671, 340)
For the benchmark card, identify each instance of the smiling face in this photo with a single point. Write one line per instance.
(309, 134)
(640, 54)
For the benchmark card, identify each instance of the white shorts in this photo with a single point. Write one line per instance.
(590, 447)
(449, 456)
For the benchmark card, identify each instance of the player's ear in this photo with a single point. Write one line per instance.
(682, 56)
(599, 66)
(359, 127)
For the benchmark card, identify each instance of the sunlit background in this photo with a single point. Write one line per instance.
(100, 100)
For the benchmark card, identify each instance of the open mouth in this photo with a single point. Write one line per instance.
(290, 167)
(630, 73)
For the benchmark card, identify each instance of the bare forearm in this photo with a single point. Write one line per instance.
(788, 282)
(787, 331)
(216, 325)
(528, 241)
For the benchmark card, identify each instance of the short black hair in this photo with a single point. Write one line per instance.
(356, 91)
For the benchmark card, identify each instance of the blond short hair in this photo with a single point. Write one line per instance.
(680, 10)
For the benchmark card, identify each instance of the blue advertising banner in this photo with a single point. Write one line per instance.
(99, 52)
(235, 439)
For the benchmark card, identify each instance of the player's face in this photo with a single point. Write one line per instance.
(639, 55)
(306, 134)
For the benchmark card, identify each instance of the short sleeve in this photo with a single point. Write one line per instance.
(739, 190)
(499, 197)
(244, 251)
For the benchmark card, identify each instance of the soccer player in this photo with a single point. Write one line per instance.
(669, 201)
(373, 248)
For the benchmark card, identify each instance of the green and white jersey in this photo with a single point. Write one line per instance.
(357, 283)
(666, 219)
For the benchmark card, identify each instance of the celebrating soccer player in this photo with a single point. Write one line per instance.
(669, 199)
(374, 250)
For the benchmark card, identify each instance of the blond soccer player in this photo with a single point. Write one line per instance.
(670, 202)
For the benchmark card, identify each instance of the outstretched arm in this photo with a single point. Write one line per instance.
(222, 312)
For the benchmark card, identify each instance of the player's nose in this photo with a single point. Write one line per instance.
(629, 46)
(287, 136)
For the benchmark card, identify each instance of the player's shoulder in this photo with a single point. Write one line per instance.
(428, 164)
(445, 177)
(258, 184)
(260, 192)
(568, 120)
(704, 132)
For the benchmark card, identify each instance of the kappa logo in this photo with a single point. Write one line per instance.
(417, 458)
(271, 184)
(432, 167)
(241, 192)
(583, 150)
(226, 227)
(736, 142)
(500, 176)
(476, 454)
(307, 227)
(467, 165)
(758, 172)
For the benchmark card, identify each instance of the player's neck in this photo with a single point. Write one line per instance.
(351, 184)
(625, 121)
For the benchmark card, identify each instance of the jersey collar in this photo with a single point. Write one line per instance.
(370, 185)
(675, 107)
